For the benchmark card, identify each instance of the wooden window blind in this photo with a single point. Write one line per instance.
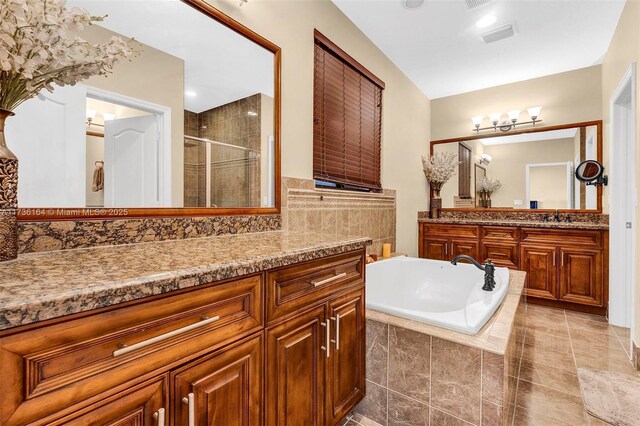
(347, 112)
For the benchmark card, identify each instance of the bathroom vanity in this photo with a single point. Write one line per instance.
(264, 328)
(566, 264)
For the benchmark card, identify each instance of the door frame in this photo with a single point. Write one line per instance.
(163, 117)
(567, 164)
(623, 126)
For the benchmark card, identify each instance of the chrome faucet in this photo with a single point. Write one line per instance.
(488, 268)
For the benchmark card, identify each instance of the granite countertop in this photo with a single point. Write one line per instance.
(522, 223)
(41, 286)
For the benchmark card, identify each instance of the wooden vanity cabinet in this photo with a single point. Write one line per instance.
(315, 357)
(209, 355)
(565, 268)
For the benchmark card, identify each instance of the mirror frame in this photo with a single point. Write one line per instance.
(44, 214)
(597, 123)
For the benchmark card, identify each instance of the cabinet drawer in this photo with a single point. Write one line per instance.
(453, 231)
(299, 286)
(500, 253)
(55, 366)
(561, 237)
(502, 233)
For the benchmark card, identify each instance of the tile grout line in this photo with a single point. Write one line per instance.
(387, 378)
(575, 361)
(430, 375)
(481, 381)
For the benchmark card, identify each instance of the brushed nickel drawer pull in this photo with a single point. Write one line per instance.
(124, 349)
(328, 280)
(190, 402)
(338, 332)
(158, 416)
(327, 348)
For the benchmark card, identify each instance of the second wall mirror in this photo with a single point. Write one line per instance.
(535, 167)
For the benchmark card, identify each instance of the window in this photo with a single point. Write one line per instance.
(347, 108)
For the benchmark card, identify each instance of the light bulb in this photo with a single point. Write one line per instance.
(534, 112)
(495, 117)
(513, 115)
(91, 113)
(477, 120)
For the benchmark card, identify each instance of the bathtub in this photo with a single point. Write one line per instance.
(434, 292)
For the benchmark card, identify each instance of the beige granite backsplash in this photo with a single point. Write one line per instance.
(62, 235)
(330, 212)
(514, 216)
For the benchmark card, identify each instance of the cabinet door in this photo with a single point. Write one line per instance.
(539, 262)
(222, 389)
(502, 254)
(468, 247)
(436, 248)
(143, 404)
(581, 276)
(346, 368)
(296, 370)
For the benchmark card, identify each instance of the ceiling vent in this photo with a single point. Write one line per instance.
(500, 33)
(474, 4)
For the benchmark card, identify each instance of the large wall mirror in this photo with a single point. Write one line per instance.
(188, 126)
(535, 167)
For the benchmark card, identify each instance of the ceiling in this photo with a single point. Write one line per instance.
(221, 66)
(438, 45)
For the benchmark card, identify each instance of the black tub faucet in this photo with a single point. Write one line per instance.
(488, 268)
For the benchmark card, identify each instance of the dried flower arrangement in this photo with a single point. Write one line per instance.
(39, 46)
(488, 185)
(439, 167)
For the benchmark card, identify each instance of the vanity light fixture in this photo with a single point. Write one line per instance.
(506, 125)
(484, 159)
(91, 114)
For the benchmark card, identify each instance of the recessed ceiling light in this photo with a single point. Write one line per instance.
(190, 93)
(412, 4)
(486, 21)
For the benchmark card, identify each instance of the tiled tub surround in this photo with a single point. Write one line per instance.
(418, 374)
(71, 234)
(331, 212)
(528, 219)
(41, 286)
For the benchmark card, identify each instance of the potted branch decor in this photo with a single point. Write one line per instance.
(39, 47)
(486, 187)
(438, 169)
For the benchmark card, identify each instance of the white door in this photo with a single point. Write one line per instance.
(47, 134)
(132, 165)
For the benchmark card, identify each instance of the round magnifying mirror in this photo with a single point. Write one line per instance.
(589, 171)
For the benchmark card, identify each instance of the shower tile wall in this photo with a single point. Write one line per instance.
(235, 180)
(194, 164)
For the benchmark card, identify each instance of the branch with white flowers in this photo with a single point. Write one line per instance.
(39, 47)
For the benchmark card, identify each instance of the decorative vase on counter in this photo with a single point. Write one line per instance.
(8, 196)
(436, 201)
(485, 199)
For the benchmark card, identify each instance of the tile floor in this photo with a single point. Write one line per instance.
(556, 344)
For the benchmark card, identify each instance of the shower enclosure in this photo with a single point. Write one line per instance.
(218, 174)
